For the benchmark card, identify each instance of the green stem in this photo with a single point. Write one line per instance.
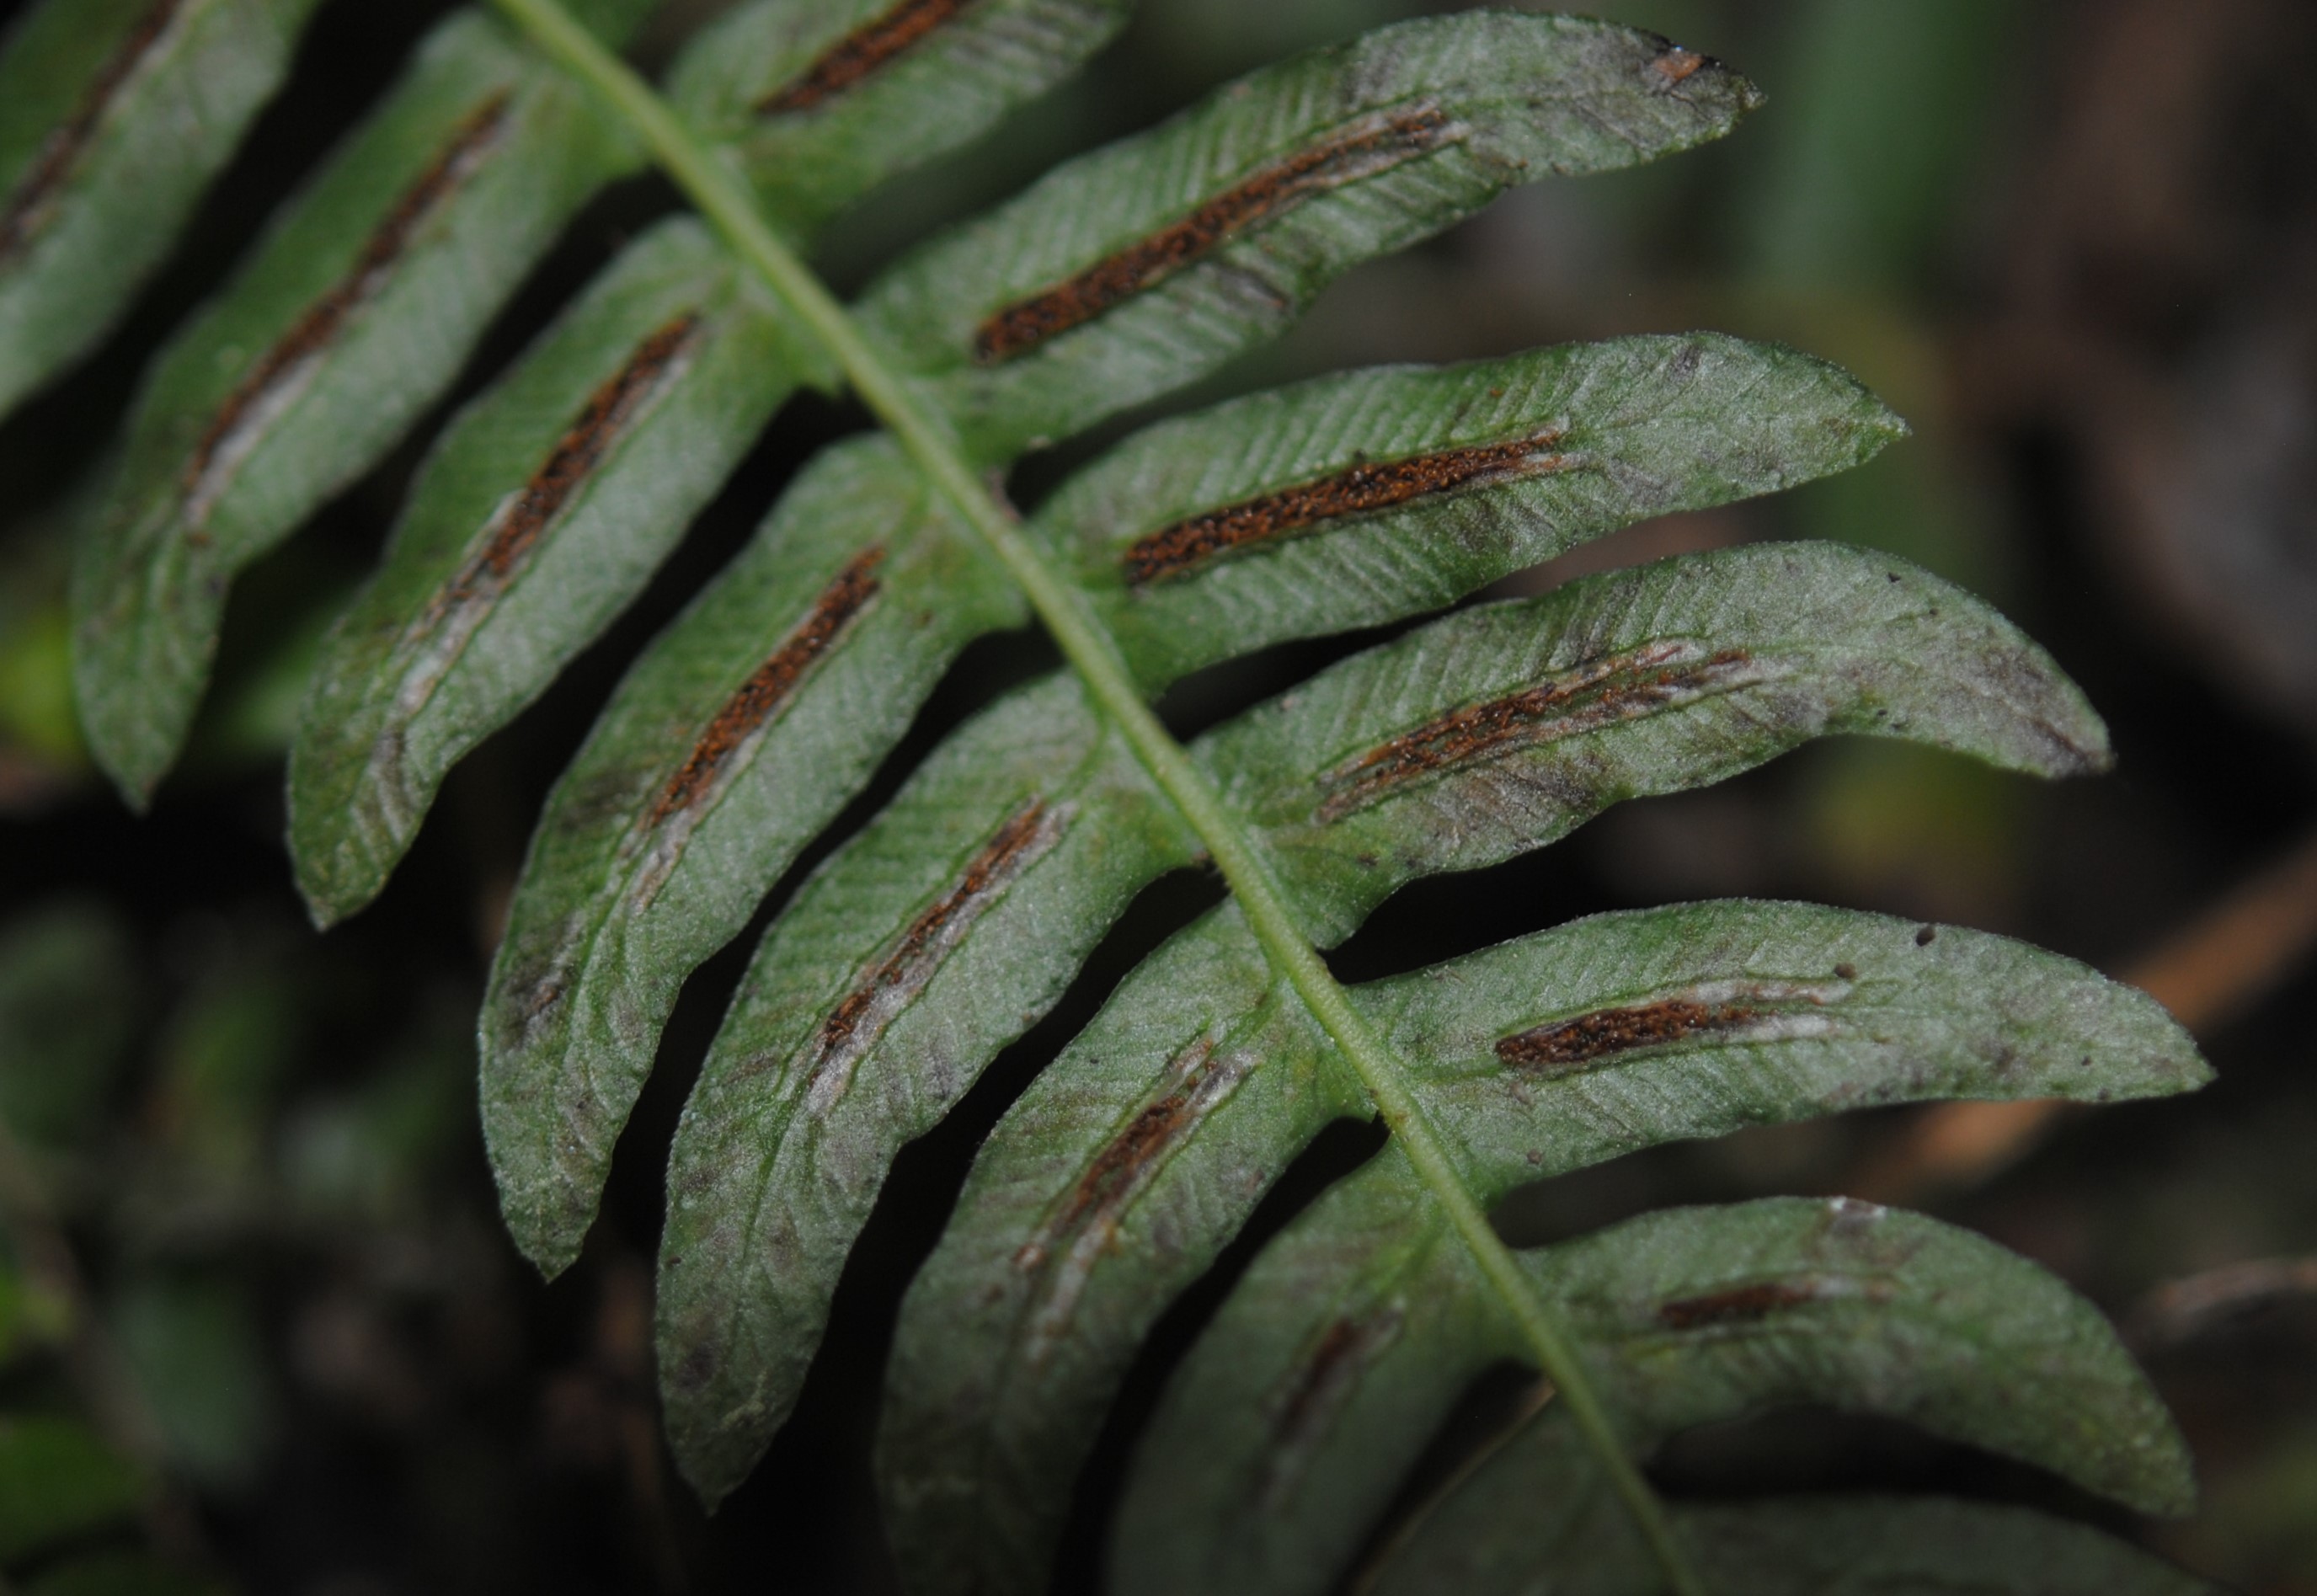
(725, 201)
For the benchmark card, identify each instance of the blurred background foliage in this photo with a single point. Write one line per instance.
(258, 1327)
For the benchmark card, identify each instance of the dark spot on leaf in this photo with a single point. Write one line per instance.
(696, 1367)
(770, 685)
(1362, 490)
(30, 206)
(1598, 693)
(282, 368)
(1373, 144)
(1746, 1304)
(859, 53)
(544, 994)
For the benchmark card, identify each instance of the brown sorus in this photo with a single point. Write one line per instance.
(576, 453)
(1371, 145)
(28, 208)
(321, 322)
(859, 53)
(1128, 1157)
(912, 962)
(1743, 1305)
(1587, 1038)
(1319, 1389)
(1597, 693)
(1360, 489)
(769, 686)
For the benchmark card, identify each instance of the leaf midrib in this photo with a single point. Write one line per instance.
(1094, 655)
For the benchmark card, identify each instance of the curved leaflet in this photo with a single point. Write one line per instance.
(1354, 499)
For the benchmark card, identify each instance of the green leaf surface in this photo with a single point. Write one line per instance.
(543, 511)
(1017, 1330)
(1534, 1520)
(1131, 270)
(819, 100)
(351, 316)
(57, 1479)
(734, 740)
(925, 945)
(1299, 1411)
(1355, 500)
(114, 115)
(1502, 728)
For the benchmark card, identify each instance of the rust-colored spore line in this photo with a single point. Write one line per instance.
(772, 683)
(872, 45)
(1363, 488)
(1371, 145)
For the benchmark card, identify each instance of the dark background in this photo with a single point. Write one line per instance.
(2074, 243)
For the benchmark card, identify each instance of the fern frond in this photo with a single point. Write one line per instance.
(955, 918)
(745, 1175)
(1357, 500)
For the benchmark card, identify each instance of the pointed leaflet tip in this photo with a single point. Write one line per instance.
(120, 738)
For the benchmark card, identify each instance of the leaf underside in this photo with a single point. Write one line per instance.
(956, 917)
